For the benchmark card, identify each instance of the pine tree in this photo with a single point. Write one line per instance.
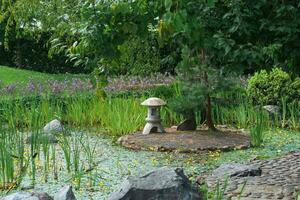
(191, 24)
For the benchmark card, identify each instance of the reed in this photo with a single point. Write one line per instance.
(46, 156)
(6, 161)
(90, 153)
(113, 116)
(65, 145)
(256, 132)
(78, 171)
(294, 110)
(284, 111)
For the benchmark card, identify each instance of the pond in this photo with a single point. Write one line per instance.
(109, 164)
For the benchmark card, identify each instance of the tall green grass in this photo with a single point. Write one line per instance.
(257, 131)
(21, 123)
(111, 116)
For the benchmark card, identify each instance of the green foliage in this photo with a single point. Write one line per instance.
(269, 87)
(102, 28)
(137, 57)
(240, 35)
(295, 90)
(22, 40)
(258, 35)
(200, 73)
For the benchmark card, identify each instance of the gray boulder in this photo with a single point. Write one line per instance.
(42, 196)
(162, 184)
(66, 193)
(54, 126)
(187, 125)
(236, 169)
(27, 196)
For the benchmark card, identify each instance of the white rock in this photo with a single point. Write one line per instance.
(54, 126)
(272, 109)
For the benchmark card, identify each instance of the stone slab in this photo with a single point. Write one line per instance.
(187, 141)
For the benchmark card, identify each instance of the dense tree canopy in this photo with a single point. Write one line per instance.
(254, 35)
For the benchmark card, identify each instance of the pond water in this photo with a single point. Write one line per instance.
(113, 165)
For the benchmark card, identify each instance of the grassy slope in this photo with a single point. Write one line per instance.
(12, 75)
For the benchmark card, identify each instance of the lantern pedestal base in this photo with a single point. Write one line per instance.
(153, 128)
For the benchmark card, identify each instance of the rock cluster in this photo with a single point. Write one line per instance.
(261, 179)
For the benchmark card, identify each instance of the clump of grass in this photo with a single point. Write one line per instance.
(6, 162)
(219, 191)
(294, 111)
(65, 145)
(54, 165)
(122, 116)
(257, 131)
(90, 153)
(46, 156)
(284, 112)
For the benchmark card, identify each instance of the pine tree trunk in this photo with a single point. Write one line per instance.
(209, 120)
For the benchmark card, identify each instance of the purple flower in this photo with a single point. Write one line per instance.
(56, 87)
(11, 88)
(123, 83)
(77, 85)
(30, 86)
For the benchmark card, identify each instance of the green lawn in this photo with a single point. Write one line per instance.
(12, 75)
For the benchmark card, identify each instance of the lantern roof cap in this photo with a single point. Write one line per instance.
(154, 101)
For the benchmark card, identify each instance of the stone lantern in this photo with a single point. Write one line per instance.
(153, 119)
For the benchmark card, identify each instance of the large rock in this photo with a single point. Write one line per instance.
(27, 196)
(162, 184)
(236, 169)
(227, 172)
(66, 193)
(54, 126)
(187, 125)
(42, 196)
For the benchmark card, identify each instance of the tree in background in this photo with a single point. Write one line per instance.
(25, 33)
(253, 34)
(219, 39)
(260, 34)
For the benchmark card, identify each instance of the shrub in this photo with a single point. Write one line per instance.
(269, 88)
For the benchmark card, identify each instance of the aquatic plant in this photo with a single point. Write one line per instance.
(257, 131)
